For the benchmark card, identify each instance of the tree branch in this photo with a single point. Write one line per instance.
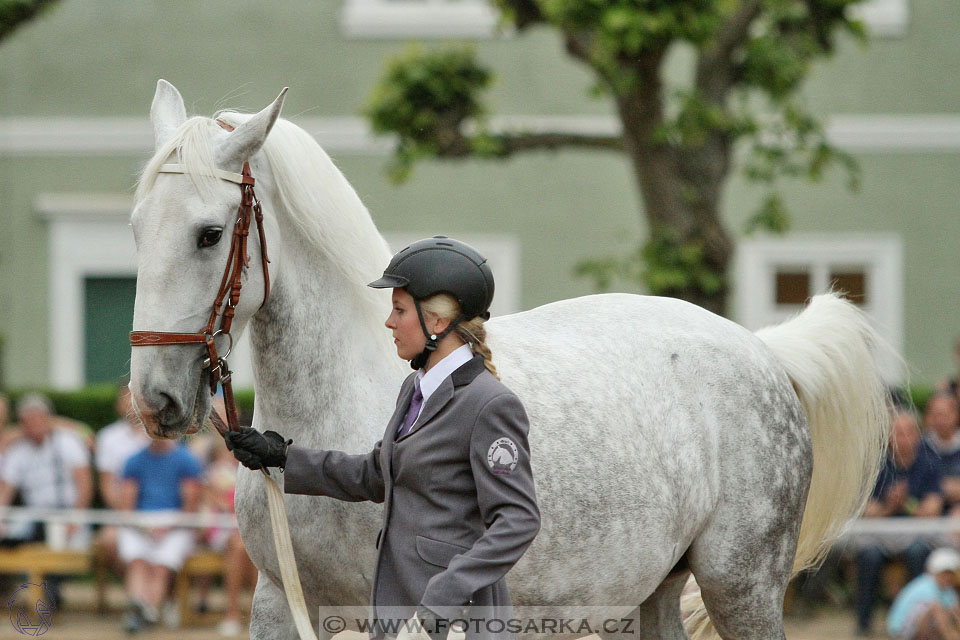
(13, 13)
(503, 145)
(513, 143)
(715, 68)
(526, 13)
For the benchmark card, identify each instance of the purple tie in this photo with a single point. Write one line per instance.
(413, 412)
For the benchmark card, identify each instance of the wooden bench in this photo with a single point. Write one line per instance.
(203, 562)
(37, 560)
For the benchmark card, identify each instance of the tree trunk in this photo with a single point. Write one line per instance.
(680, 190)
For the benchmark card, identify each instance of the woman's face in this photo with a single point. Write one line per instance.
(405, 325)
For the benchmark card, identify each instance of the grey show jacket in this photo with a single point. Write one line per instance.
(458, 493)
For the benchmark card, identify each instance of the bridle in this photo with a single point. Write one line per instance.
(227, 297)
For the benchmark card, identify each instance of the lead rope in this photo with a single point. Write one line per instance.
(283, 545)
(231, 284)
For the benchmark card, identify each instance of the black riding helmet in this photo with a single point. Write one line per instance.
(441, 265)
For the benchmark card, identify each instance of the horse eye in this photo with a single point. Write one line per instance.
(209, 237)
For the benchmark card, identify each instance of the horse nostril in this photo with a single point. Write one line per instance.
(169, 411)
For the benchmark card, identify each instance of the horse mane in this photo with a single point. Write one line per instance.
(316, 196)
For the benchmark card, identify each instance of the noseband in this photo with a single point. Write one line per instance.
(231, 283)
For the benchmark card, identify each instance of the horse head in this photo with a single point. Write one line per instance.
(183, 224)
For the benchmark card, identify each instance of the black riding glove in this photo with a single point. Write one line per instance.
(255, 450)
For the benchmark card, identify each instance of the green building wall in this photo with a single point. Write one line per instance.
(101, 58)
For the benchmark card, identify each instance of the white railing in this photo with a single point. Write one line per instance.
(114, 517)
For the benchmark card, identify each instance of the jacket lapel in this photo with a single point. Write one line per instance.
(391, 432)
(444, 393)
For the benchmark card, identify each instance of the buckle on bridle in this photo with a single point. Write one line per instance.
(206, 361)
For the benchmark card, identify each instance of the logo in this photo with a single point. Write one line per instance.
(502, 456)
(30, 624)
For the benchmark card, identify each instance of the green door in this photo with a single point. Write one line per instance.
(108, 317)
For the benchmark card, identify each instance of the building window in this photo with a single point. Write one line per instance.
(93, 269)
(418, 19)
(776, 276)
(884, 18)
(478, 19)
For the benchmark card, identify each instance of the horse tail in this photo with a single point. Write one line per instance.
(830, 353)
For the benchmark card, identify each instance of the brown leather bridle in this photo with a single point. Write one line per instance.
(227, 297)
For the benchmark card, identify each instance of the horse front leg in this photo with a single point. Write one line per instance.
(270, 617)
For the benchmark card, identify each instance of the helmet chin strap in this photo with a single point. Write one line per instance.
(433, 340)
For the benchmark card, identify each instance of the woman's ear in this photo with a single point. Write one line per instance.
(436, 325)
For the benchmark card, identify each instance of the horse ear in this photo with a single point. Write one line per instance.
(248, 137)
(167, 112)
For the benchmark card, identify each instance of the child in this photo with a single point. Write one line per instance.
(927, 608)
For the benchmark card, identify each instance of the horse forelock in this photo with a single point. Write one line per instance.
(192, 144)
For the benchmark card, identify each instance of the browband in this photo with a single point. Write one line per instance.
(239, 178)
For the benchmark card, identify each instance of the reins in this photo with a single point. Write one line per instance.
(228, 296)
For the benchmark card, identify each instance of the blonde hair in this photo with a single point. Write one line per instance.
(472, 332)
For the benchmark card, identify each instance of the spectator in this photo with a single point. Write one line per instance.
(240, 571)
(942, 420)
(163, 477)
(115, 444)
(927, 608)
(909, 485)
(51, 468)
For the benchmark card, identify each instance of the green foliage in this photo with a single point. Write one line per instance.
(697, 120)
(772, 217)
(94, 405)
(919, 395)
(14, 13)
(424, 97)
(750, 60)
(665, 264)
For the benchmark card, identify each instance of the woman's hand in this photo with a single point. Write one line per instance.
(256, 450)
(426, 625)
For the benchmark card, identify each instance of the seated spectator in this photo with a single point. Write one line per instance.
(240, 571)
(165, 476)
(11, 432)
(51, 468)
(942, 421)
(927, 608)
(908, 485)
(116, 443)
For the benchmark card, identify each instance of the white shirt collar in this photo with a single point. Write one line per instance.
(432, 379)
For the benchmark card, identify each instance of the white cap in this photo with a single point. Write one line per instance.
(943, 559)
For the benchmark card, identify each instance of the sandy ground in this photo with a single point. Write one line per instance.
(828, 625)
(75, 621)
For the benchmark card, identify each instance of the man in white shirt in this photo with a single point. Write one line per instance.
(50, 467)
(116, 443)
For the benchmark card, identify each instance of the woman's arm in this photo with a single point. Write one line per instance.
(508, 505)
(318, 472)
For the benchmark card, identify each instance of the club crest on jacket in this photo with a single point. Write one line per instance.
(502, 456)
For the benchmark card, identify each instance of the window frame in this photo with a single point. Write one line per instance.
(385, 19)
(879, 255)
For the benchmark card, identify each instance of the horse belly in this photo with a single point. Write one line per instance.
(624, 439)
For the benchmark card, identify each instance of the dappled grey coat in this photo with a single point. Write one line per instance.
(458, 495)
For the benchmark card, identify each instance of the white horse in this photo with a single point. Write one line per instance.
(665, 439)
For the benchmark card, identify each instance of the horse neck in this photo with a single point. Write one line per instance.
(324, 370)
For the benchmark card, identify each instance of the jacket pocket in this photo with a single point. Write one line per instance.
(376, 545)
(437, 552)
